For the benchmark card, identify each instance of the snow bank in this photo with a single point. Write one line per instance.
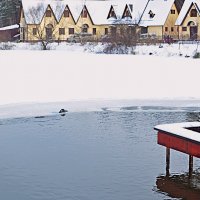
(55, 76)
(15, 26)
(187, 50)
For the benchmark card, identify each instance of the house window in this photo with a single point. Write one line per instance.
(184, 28)
(48, 13)
(49, 33)
(71, 31)
(172, 29)
(193, 13)
(94, 31)
(144, 30)
(131, 30)
(34, 31)
(173, 11)
(106, 31)
(85, 28)
(84, 13)
(61, 31)
(66, 13)
(166, 29)
(113, 30)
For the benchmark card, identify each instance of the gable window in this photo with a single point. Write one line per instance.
(71, 31)
(172, 29)
(94, 31)
(48, 13)
(184, 28)
(106, 31)
(84, 13)
(127, 13)
(193, 13)
(166, 29)
(34, 31)
(66, 13)
(173, 11)
(112, 13)
(61, 31)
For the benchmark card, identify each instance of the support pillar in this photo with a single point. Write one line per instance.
(167, 161)
(190, 166)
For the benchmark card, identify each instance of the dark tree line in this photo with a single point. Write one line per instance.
(9, 12)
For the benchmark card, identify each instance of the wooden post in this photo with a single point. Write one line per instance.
(190, 166)
(167, 161)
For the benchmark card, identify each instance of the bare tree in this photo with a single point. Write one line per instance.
(41, 27)
(121, 38)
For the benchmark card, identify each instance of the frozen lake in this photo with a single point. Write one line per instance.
(102, 155)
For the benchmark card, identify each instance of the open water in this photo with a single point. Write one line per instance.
(104, 155)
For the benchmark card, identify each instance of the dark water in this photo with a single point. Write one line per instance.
(94, 156)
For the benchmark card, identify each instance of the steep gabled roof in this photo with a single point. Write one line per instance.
(98, 10)
(179, 4)
(156, 12)
(185, 9)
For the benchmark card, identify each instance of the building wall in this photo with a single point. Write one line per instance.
(155, 30)
(186, 34)
(26, 31)
(9, 35)
(66, 23)
(172, 30)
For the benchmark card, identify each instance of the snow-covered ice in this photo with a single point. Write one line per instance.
(32, 77)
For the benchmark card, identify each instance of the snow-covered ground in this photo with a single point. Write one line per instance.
(165, 50)
(86, 81)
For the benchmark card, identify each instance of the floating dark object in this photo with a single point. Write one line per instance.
(39, 117)
(63, 111)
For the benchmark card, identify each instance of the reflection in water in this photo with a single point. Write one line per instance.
(193, 116)
(180, 186)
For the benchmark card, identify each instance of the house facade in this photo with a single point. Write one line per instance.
(159, 19)
(57, 20)
(189, 21)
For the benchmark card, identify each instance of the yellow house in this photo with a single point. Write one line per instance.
(57, 20)
(159, 18)
(189, 21)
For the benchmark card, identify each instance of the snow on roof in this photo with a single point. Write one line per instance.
(185, 9)
(98, 10)
(180, 129)
(9, 27)
(160, 10)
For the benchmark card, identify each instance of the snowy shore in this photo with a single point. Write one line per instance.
(60, 76)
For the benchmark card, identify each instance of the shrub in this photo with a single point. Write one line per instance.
(6, 46)
(196, 55)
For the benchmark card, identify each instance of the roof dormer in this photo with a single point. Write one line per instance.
(112, 13)
(126, 13)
